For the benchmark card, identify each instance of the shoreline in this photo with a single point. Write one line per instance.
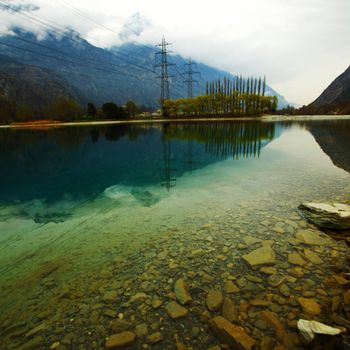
(268, 118)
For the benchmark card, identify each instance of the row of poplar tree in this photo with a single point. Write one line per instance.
(227, 97)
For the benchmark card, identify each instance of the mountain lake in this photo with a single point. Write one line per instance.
(143, 232)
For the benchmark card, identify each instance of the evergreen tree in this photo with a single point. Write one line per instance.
(91, 110)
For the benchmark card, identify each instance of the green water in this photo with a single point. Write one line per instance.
(91, 216)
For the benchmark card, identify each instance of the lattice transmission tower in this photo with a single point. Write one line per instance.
(190, 81)
(164, 76)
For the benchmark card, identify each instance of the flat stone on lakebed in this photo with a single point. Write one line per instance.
(175, 311)
(261, 256)
(120, 340)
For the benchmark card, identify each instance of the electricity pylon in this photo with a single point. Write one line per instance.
(190, 72)
(164, 76)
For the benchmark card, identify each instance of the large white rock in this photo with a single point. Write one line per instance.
(333, 216)
(308, 329)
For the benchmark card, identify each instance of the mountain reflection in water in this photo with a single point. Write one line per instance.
(333, 136)
(84, 161)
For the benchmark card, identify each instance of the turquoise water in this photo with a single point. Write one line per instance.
(91, 216)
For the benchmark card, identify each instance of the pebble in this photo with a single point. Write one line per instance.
(214, 300)
(120, 325)
(155, 338)
(312, 256)
(230, 287)
(284, 290)
(120, 340)
(156, 303)
(111, 313)
(35, 330)
(229, 310)
(181, 292)
(32, 344)
(309, 306)
(141, 330)
(175, 311)
(138, 297)
(347, 297)
(258, 302)
(272, 320)
(231, 334)
(296, 259)
(110, 297)
(268, 270)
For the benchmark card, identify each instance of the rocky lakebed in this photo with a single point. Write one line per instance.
(191, 290)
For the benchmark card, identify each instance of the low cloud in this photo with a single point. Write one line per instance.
(301, 46)
(8, 7)
(134, 27)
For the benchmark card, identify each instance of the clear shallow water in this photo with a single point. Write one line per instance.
(92, 216)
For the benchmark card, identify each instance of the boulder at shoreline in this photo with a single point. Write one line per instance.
(326, 215)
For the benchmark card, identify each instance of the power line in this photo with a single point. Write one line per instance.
(82, 15)
(47, 24)
(62, 59)
(165, 81)
(64, 32)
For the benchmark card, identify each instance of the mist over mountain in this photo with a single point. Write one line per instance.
(134, 26)
(118, 74)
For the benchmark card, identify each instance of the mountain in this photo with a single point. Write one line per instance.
(336, 98)
(118, 74)
(31, 85)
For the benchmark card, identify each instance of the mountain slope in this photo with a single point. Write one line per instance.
(31, 85)
(119, 74)
(143, 55)
(336, 98)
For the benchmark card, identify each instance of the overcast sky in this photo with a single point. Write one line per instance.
(300, 45)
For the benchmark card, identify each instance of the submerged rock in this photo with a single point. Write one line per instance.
(296, 259)
(333, 216)
(308, 329)
(137, 297)
(268, 270)
(141, 330)
(155, 338)
(230, 287)
(229, 310)
(175, 311)
(309, 306)
(32, 344)
(120, 340)
(312, 237)
(312, 256)
(214, 300)
(269, 319)
(110, 297)
(35, 330)
(261, 256)
(249, 240)
(231, 334)
(119, 325)
(181, 292)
